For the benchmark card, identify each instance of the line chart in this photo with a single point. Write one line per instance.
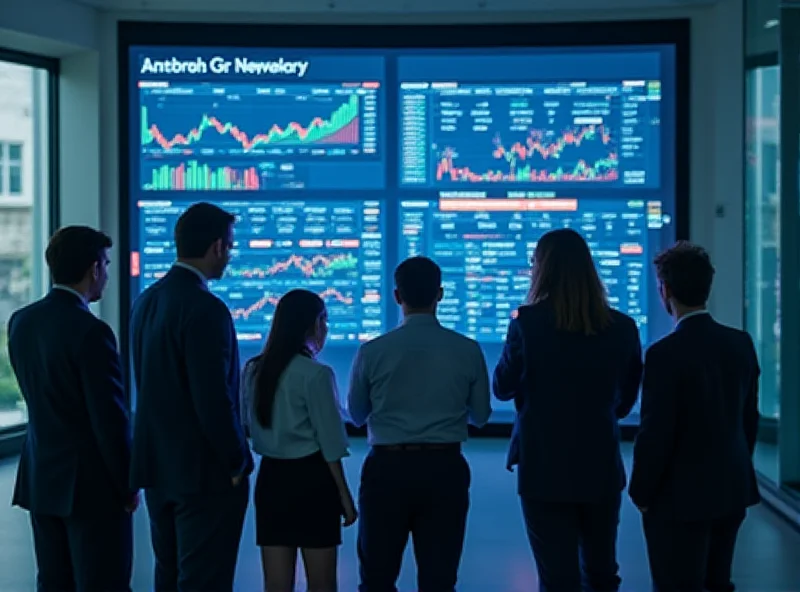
(333, 249)
(341, 127)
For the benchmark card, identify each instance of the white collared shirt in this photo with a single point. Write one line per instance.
(80, 296)
(194, 270)
(306, 415)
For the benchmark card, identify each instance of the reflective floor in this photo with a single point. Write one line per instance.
(496, 556)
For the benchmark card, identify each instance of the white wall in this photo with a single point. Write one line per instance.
(90, 96)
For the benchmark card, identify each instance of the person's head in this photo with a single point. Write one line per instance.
(204, 238)
(564, 274)
(418, 285)
(77, 256)
(685, 275)
(299, 326)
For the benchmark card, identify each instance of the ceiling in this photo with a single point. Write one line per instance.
(382, 6)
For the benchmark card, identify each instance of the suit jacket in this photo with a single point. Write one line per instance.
(570, 390)
(693, 454)
(187, 434)
(77, 449)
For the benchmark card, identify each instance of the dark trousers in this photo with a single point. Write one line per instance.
(196, 538)
(83, 554)
(691, 556)
(574, 544)
(423, 493)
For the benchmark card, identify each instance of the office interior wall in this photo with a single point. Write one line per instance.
(54, 28)
(761, 27)
(716, 137)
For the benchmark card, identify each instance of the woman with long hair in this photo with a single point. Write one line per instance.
(572, 365)
(301, 494)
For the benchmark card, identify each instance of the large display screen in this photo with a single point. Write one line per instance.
(338, 164)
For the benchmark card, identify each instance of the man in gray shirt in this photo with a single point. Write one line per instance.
(416, 387)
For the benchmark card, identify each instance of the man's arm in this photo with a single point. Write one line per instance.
(751, 414)
(656, 439)
(509, 370)
(101, 381)
(209, 351)
(633, 377)
(480, 404)
(359, 405)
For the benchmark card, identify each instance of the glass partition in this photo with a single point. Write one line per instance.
(762, 229)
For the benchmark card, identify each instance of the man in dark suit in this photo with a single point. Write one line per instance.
(189, 450)
(73, 472)
(693, 475)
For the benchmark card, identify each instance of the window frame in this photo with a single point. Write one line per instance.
(51, 202)
(768, 430)
(7, 163)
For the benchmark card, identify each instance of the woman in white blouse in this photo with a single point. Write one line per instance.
(295, 424)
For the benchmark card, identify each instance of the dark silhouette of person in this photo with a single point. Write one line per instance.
(189, 450)
(295, 424)
(693, 476)
(572, 365)
(416, 387)
(73, 472)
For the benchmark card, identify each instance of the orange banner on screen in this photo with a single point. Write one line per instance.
(135, 268)
(507, 205)
(631, 249)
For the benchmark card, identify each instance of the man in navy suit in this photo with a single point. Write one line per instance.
(73, 472)
(693, 475)
(189, 450)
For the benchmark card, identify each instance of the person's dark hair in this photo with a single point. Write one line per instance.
(199, 227)
(292, 325)
(686, 269)
(72, 250)
(564, 274)
(418, 280)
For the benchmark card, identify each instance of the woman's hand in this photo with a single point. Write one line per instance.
(349, 510)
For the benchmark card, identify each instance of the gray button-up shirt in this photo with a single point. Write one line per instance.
(419, 383)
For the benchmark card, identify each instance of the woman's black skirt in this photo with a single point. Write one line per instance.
(297, 504)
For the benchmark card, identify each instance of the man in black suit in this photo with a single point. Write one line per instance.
(73, 472)
(693, 474)
(189, 450)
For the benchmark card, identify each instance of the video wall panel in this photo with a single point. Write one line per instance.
(339, 163)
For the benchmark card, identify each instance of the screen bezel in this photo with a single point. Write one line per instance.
(415, 37)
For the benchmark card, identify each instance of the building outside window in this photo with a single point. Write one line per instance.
(24, 202)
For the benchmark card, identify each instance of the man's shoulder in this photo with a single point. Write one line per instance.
(457, 340)
(377, 343)
(193, 298)
(664, 347)
(730, 332)
(43, 311)
(26, 312)
(398, 338)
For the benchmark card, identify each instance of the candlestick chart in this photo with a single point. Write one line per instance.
(252, 137)
(333, 249)
(581, 155)
(544, 134)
